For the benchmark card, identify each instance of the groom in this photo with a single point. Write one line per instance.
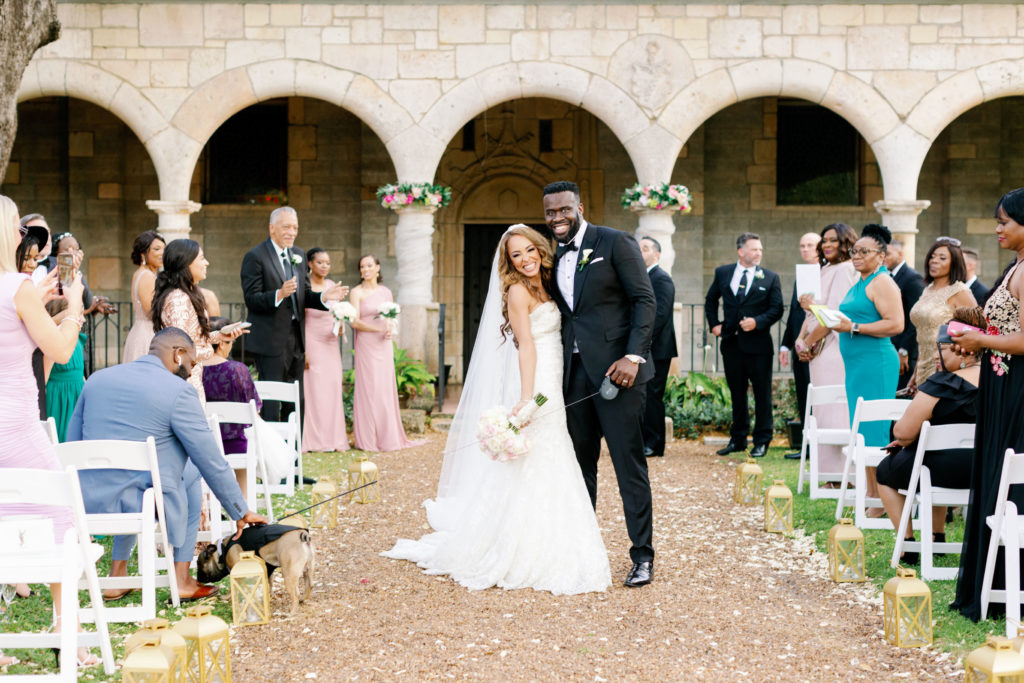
(607, 306)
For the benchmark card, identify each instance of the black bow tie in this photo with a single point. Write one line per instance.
(562, 248)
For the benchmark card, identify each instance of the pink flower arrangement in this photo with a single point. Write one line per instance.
(498, 433)
(396, 196)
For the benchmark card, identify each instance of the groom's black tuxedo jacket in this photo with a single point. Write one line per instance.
(613, 306)
(763, 304)
(261, 278)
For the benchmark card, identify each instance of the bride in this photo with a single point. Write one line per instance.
(526, 523)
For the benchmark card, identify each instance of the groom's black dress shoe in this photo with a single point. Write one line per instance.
(759, 451)
(640, 575)
(731, 447)
(792, 456)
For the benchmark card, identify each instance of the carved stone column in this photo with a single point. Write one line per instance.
(415, 254)
(172, 216)
(658, 223)
(900, 216)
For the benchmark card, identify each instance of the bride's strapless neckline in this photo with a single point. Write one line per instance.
(542, 305)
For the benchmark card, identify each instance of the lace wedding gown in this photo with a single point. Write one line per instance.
(530, 523)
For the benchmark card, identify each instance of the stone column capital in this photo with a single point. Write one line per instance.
(903, 211)
(173, 206)
(172, 216)
(415, 208)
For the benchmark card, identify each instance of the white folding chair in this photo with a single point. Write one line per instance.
(859, 457)
(216, 528)
(31, 556)
(815, 436)
(290, 429)
(925, 497)
(1006, 526)
(252, 461)
(147, 524)
(50, 427)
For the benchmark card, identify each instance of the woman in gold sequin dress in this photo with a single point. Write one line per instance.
(945, 275)
(1000, 396)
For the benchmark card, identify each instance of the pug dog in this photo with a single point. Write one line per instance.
(279, 545)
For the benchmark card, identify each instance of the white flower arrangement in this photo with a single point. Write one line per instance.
(657, 196)
(585, 259)
(342, 311)
(296, 260)
(498, 432)
(389, 310)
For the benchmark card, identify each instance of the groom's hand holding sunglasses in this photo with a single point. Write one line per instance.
(623, 371)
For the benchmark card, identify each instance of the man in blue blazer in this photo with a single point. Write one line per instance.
(751, 303)
(149, 397)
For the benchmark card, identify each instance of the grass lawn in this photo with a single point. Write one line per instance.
(952, 632)
(34, 613)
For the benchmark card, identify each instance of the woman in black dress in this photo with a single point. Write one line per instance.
(947, 397)
(1000, 397)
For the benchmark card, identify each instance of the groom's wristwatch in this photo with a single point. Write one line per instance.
(635, 359)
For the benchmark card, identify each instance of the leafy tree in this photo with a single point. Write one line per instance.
(25, 26)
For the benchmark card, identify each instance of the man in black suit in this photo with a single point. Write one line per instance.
(751, 303)
(911, 285)
(979, 290)
(608, 309)
(663, 348)
(794, 321)
(277, 292)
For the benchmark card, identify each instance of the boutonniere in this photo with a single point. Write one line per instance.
(758, 274)
(296, 260)
(585, 259)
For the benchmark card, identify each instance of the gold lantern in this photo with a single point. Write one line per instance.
(207, 650)
(846, 552)
(908, 610)
(293, 518)
(748, 483)
(778, 508)
(250, 591)
(993, 662)
(325, 515)
(360, 473)
(149, 662)
(161, 629)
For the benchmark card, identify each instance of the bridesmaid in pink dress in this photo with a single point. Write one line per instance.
(24, 325)
(323, 425)
(376, 421)
(148, 255)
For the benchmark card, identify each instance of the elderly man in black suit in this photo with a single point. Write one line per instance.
(608, 309)
(751, 299)
(276, 288)
(663, 348)
(979, 290)
(794, 321)
(911, 285)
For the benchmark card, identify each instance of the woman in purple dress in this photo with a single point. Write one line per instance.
(228, 380)
(377, 422)
(24, 325)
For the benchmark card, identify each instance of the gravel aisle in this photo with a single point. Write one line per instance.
(728, 602)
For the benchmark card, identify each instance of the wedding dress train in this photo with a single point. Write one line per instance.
(527, 523)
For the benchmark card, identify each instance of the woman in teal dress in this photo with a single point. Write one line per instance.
(875, 313)
(66, 380)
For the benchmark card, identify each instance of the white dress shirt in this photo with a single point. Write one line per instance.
(282, 253)
(567, 271)
(896, 269)
(737, 275)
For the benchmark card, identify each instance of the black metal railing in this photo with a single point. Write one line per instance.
(699, 349)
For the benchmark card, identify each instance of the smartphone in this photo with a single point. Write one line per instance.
(229, 329)
(65, 271)
(957, 327)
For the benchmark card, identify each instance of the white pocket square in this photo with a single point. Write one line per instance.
(760, 289)
(597, 260)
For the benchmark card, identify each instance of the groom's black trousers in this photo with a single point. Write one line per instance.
(620, 421)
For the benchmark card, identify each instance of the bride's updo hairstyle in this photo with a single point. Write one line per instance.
(879, 233)
(508, 275)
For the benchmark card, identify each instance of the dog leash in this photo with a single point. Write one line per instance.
(299, 512)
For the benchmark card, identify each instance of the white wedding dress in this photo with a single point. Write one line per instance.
(527, 523)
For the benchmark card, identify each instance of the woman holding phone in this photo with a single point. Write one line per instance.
(25, 325)
(177, 302)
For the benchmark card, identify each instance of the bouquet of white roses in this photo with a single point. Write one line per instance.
(498, 432)
(389, 310)
(342, 311)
